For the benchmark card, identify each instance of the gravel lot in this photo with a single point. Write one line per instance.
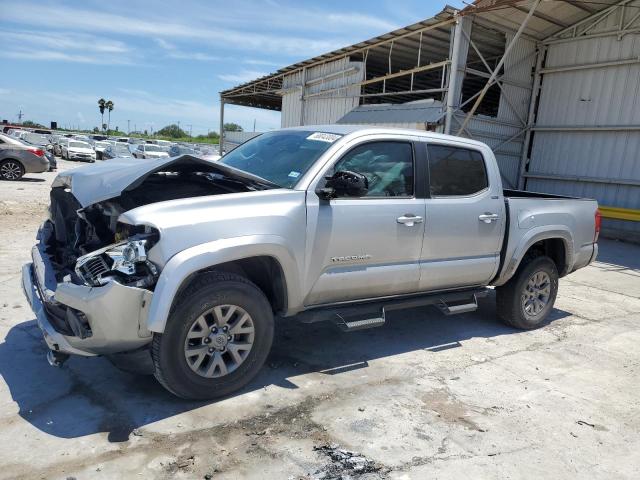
(425, 396)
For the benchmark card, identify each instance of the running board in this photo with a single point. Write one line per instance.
(353, 325)
(448, 309)
(357, 316)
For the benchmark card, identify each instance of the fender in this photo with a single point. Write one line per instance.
(535, 235)
(210, 254)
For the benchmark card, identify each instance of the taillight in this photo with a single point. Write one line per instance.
(598, 223)
(37, 151)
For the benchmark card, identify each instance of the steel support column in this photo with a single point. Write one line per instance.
(535, 91)
(454, 71)
(221, 146)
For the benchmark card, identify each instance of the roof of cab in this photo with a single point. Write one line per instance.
(369, 130)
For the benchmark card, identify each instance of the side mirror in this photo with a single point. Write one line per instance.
(344, 184)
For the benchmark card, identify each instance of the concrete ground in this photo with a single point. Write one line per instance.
(425, 396)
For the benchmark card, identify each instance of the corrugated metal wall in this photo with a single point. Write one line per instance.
(331, 106)
(600, 96)
(495, 130)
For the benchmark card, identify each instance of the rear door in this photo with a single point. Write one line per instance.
(369, 246)
(465, 218)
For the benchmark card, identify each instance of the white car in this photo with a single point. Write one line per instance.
(148, 150)
(76, 150)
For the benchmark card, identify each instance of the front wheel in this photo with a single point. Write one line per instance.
(216, 339)
(526, 300)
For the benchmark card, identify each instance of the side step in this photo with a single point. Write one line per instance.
(448, 309)
(351, 326)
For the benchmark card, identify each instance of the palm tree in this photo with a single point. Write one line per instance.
(109, 106)
(101, 105)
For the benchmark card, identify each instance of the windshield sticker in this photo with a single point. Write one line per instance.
(324, 137)
(294, 174)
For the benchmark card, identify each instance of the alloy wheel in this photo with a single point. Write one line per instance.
(536, 294)
(11, 170)
(219, 341)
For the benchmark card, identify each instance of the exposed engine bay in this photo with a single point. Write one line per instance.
(90, 246)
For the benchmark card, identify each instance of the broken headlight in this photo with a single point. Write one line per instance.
(125, 262)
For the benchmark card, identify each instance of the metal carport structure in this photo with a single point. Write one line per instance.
(550, 85)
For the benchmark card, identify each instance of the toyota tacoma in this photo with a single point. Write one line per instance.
(179, 266)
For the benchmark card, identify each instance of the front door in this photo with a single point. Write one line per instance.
(465, 218)
(368, 246)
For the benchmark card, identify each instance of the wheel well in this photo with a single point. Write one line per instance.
(555, 249)
(264, 271)
(12, 159)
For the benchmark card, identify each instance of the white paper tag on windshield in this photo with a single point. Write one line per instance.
(324, 137)
(294, 174)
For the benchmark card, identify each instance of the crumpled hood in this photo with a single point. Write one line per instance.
(101, 181)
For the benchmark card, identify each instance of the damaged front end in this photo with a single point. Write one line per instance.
(91, 280)
(89, 246)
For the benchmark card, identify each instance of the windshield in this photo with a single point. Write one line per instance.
(281, 157)
(79, 144)
(36, 139)
(153, 148)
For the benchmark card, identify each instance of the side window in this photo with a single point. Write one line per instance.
(455, 171)
(387, 165)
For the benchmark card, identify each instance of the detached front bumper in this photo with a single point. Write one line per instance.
(83, 320)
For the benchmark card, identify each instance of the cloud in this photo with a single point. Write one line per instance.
(241, 77)
(4, 91)
(63, 41)
(94, 21)
(250, 61)
(172, 51)
(48, 55)
(67, 47)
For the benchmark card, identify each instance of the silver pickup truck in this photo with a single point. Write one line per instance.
(179, 266)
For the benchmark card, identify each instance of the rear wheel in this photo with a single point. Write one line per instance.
(11, 170)
(526, 300)
(216, 339)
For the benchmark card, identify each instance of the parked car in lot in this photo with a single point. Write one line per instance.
(176, 150)
(44, 142)
(76, 150)
(16, 159)
(188, 262)
(57, 145)
(99, 148)
(116, 150)
(147, 150)
(207, 153)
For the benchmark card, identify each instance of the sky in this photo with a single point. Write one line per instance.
(167, 64)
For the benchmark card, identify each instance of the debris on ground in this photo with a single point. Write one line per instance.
(345, 464)
(183, 463)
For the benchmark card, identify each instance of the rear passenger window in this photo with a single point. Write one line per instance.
(455, 171)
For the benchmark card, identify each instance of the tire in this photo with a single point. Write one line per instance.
(11, 170)
(197, 303)
(523, 305)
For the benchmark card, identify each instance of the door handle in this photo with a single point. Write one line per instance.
(409, 219)
(488, 217)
